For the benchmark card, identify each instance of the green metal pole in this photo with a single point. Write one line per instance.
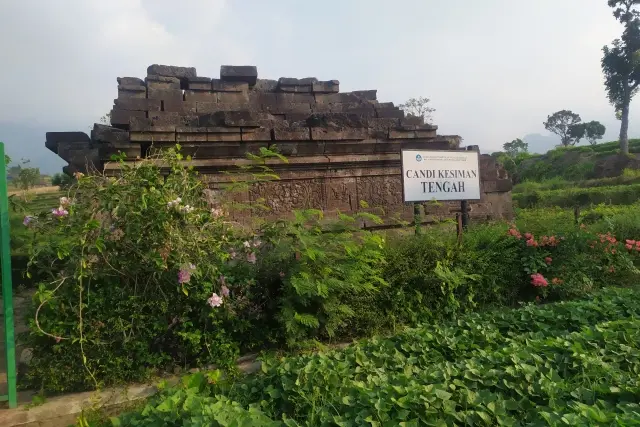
(7, 290)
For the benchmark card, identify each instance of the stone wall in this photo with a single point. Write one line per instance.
(342, 147)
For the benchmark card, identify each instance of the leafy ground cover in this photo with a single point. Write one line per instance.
(569, 363)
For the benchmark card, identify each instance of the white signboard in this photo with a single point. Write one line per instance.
(440, 175)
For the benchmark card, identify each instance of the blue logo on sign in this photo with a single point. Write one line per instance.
(418, 158)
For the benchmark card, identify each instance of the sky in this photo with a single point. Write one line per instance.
(493, 69)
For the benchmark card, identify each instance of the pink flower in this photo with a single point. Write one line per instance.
(65, 201)
(27, 219)
(548, 260)
(247, 244)
(532, 242)
(628, 246)
(184, 276)
(59, 212)
(538, 280)
(224, 291)
(251, 257)
(515, 233)
(631, 242)
(528, 236)
(215, 300)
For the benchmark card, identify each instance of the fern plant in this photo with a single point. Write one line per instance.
(334, 261)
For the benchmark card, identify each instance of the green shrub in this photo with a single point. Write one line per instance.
(139, 275)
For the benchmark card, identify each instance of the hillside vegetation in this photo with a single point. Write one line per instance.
(576, 176)
(576, 163)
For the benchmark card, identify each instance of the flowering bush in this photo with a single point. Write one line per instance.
(137, 270)
(142, 276)
(575, 263)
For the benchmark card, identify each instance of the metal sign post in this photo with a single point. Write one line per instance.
(7, 290)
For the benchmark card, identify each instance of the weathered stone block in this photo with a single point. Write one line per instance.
(238, 118)
(160, 118)
(289, 81)
(131, 81)
(53, 138)
(389, 112)
(294, 98)
(191, 134)
(162, 82)
(131, 91)
(130, 149)
(265, 85)
(139, 124)
(292, 134)
(208, 107)
(198, 83)
(331, 86)
(157, 134)
(410, 134)
(337, 120)
(232, 97)
(369, 95)
(182, 107)
(329, 134)
(120, 118)
(266, 98)
(200, 95)
(239, 73)
(329, 98)
(295, 89)
(138, 104)
(165, 94)
(104, 134)
(255, 134)
(171, 71)
(296, 117)
(218, 85)
(215, 134)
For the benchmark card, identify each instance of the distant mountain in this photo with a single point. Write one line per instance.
(26, 141)
(541, 143)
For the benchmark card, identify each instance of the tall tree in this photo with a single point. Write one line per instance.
(565, 124)
(594, 131)
(419, 108)
(621, 64)
(515, 147)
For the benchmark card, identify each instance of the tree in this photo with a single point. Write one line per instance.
(26, 177)
(62, 180)
(594, 131)
(565, 124)
(621, 64)
(419, 108)
(515, 147)
(106, 119)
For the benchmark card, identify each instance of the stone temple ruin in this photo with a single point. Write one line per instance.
(343, 148)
